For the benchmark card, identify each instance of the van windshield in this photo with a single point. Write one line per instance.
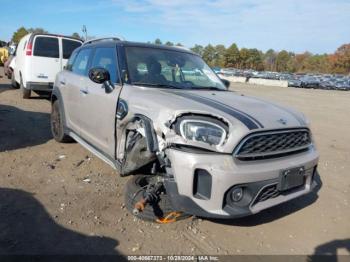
(158, 67)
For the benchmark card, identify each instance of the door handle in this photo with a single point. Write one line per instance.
(62, 82)
(83, 91)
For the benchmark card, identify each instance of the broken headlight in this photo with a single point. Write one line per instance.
(202, 131)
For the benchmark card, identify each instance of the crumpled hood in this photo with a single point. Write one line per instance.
(254, 113)
(243, 114)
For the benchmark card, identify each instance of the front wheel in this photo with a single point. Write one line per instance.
(160, 211)
(56, 122)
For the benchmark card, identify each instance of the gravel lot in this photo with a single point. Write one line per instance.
(60, 199)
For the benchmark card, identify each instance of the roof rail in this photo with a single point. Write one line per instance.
(103, 39)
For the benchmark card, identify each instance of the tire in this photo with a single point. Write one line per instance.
(25, 92)
(13, 81)
(57, 126)
(134, 191)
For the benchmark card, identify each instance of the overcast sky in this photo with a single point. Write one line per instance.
(319, 26)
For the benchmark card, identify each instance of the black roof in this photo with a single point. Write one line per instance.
(114, 42)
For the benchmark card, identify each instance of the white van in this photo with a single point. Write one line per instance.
(39, 58)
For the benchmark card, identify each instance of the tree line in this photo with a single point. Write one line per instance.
(252, 58)
(271, 60)
(22, 31)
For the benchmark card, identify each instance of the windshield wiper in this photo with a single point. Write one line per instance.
(157, 85)
(210, 88)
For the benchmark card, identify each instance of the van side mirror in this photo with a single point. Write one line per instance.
(100, 75)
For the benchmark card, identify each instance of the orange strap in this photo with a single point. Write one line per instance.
(170, 218)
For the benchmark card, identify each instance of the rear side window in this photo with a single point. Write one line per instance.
(68, 47)
(106, 58)
(81, 62)
(46, 47)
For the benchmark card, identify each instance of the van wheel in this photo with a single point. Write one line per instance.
(25, 92)
(159, 212)
(56, 123)
(13, 81)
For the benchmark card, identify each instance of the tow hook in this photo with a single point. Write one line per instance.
(151, 196)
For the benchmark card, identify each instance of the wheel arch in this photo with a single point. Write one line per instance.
(56, 96)
(143, 126)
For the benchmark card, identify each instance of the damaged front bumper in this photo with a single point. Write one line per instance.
(202, 183)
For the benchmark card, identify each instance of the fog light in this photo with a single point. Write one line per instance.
(237, 194)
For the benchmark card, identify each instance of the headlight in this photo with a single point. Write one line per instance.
(202, 131)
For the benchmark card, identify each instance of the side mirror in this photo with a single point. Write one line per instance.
(100, 75)
(225, 82)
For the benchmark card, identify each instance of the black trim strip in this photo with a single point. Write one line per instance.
(233, 108)
(228, 110)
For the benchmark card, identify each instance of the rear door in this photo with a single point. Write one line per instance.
(45, 61)
(68, 46)
(98, 108)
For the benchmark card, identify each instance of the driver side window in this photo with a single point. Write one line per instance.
(105, 57)
(80, 64)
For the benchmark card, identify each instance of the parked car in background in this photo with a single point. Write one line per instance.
(7, 69)
(39, 58)
(9, 66)
(4, 52)
(294, 82)
(309, 82)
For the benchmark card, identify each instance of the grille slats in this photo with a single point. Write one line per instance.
(267, 193)
(273, 144)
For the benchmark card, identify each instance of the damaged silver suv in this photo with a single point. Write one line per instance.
(192, 147)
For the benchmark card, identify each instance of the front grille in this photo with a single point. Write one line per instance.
(273, 144)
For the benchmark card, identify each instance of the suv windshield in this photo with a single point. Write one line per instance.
(164, 68)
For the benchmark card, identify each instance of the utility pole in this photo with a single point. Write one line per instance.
(84, 30)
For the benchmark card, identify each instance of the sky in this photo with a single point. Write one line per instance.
(318, 26)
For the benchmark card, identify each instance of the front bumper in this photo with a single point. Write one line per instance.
(209, 197)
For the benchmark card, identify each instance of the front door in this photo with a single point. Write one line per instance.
(98, 108)
(73, 86)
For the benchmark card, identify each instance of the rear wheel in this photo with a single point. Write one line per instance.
(56, 121)
(25, 92)
(161, 211)
(13, 81)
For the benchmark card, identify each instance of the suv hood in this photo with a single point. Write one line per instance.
(252, 112)
(243, 114)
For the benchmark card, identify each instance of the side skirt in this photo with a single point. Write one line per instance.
(113, 163)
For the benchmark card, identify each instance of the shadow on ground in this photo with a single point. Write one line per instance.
(19, 128)
(27, 229)
(328, 251)
(276, 212)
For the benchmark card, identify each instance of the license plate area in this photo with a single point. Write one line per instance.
(291, 178)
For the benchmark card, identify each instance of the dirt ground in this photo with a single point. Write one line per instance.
(60, 199)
